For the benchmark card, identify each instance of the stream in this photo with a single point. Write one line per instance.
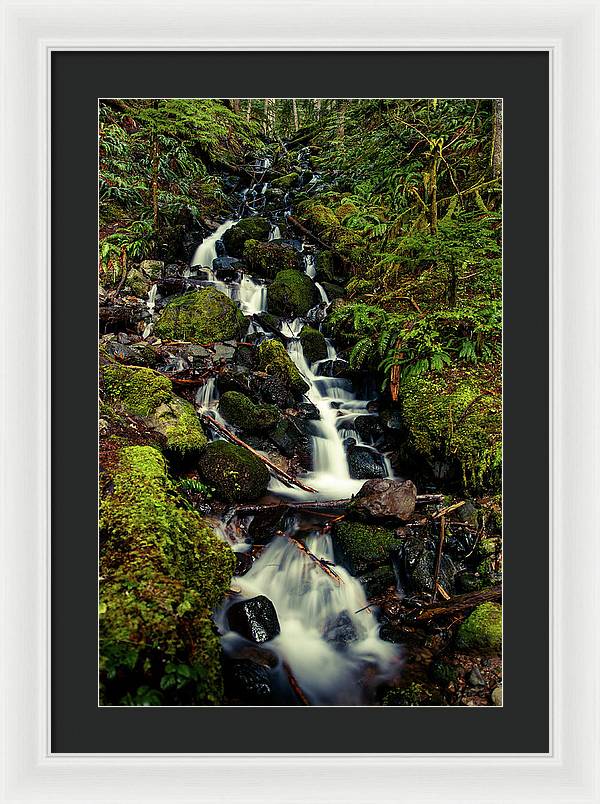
(328, 639)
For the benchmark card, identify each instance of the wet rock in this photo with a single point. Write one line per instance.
(254, 228)
(292, 441)
(248, 681)
(369, 429)
(378, 580)
(257, 654)
(220, 249)
(292, 294)
(275, 361)
(223, 352)
(255, 619)
(392, 420)
(270, 323)
(274, 390)
(334, 368)
(364, 463)
(234, 473)
(333, 291)
(204, 316)
(481, 632)
(266, 524)
(309, 411)
(267, 259)
(243, 563)
(360, 547)
(239, 410)
(385, 499)
(414, 563)
(232, 379)
(340, 630)
(227, 269)
(285, 182)
(349, 442)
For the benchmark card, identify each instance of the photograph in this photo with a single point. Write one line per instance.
(300, 402)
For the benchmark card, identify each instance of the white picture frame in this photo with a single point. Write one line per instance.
(569, 31)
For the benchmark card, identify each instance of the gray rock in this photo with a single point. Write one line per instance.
(365, 463)
(383, 499)
(475, 678)
(255, 619)
(497, 696)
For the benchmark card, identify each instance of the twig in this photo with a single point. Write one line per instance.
(325, 566)
(295, 686)
(438, 558)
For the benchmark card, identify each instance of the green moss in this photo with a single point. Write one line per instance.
(314, 344)
(255, 228)
(482, 630)
(333, 291)
(285, 182)
(275, 361)
(292, 294)
(139, 390)
(317, 217)
(203, 316)
(163, 570)
(344, 210)
(178, 422)
(450, 417)
(233, 472)
(359, 546)
(267, 259)
(145, 393)
(240, 410)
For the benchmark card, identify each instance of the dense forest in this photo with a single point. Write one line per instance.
(300, 316)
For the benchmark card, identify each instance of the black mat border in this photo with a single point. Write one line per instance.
(78, 79)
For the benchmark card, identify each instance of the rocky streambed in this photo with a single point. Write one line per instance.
(297, 560)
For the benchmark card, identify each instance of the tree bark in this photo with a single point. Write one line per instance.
(456, 605)
(295, 114)
(341, 128)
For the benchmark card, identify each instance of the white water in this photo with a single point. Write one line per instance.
(307, 600)
(151, 305)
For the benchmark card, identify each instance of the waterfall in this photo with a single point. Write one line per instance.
(151, 305)
(206, 251)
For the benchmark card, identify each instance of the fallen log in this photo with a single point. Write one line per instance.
(325, 566)
(307, 233)
(274, 469)
(456, 605)
(322, 505)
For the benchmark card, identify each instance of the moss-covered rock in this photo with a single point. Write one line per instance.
(147, 394)
(163, 570)
(203, 316)
(285, 182)
(255, 228)
(317, 217)
(240, 410)
(139, 391)
(275, 361)
(360, 547)
(333, 291)
(267, 259)
(233, 472)
(453, 420)
(482, 630)
(178, 422)
(292, 294)
(314, 344)
(136, 283)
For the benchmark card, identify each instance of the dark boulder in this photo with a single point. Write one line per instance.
(365, 463)
(414, 564)
(292, 440)
(340, 630)
(385, 499)
(243, 563)
(254, 228)
(248, 682)
(255, 619)
(369, 428)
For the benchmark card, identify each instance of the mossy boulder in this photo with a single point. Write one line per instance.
(285, 182)
(333, 291)
(178, 422)
(318, 218)
(275, 361)
(240, 410)
(163, 570)
(292, 294)
(481, 632)
(314, 344)
(201, 316)
(267, 259)
(255, 228)
(234, 473)
(361, 547)
(147, 394)
(454, 421)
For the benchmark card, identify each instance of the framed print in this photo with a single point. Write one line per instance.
(326, 512)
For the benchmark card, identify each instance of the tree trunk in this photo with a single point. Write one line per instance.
(235, 105)
(249, 110)
(155, 164)
(497, 140)
(341, 128)
(295, 114)
(318, 107)
(433, 209)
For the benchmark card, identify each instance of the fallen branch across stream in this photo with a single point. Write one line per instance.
(274, 469)
(321, 505)
(456, 605)
(295, 686)
(325, 565)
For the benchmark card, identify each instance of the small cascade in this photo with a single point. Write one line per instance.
(151, 305)
(311, 265)
(275, 233)
(207, 395)
(207, 250)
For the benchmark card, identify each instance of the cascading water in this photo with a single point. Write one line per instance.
(329, 636)
(151, 305)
